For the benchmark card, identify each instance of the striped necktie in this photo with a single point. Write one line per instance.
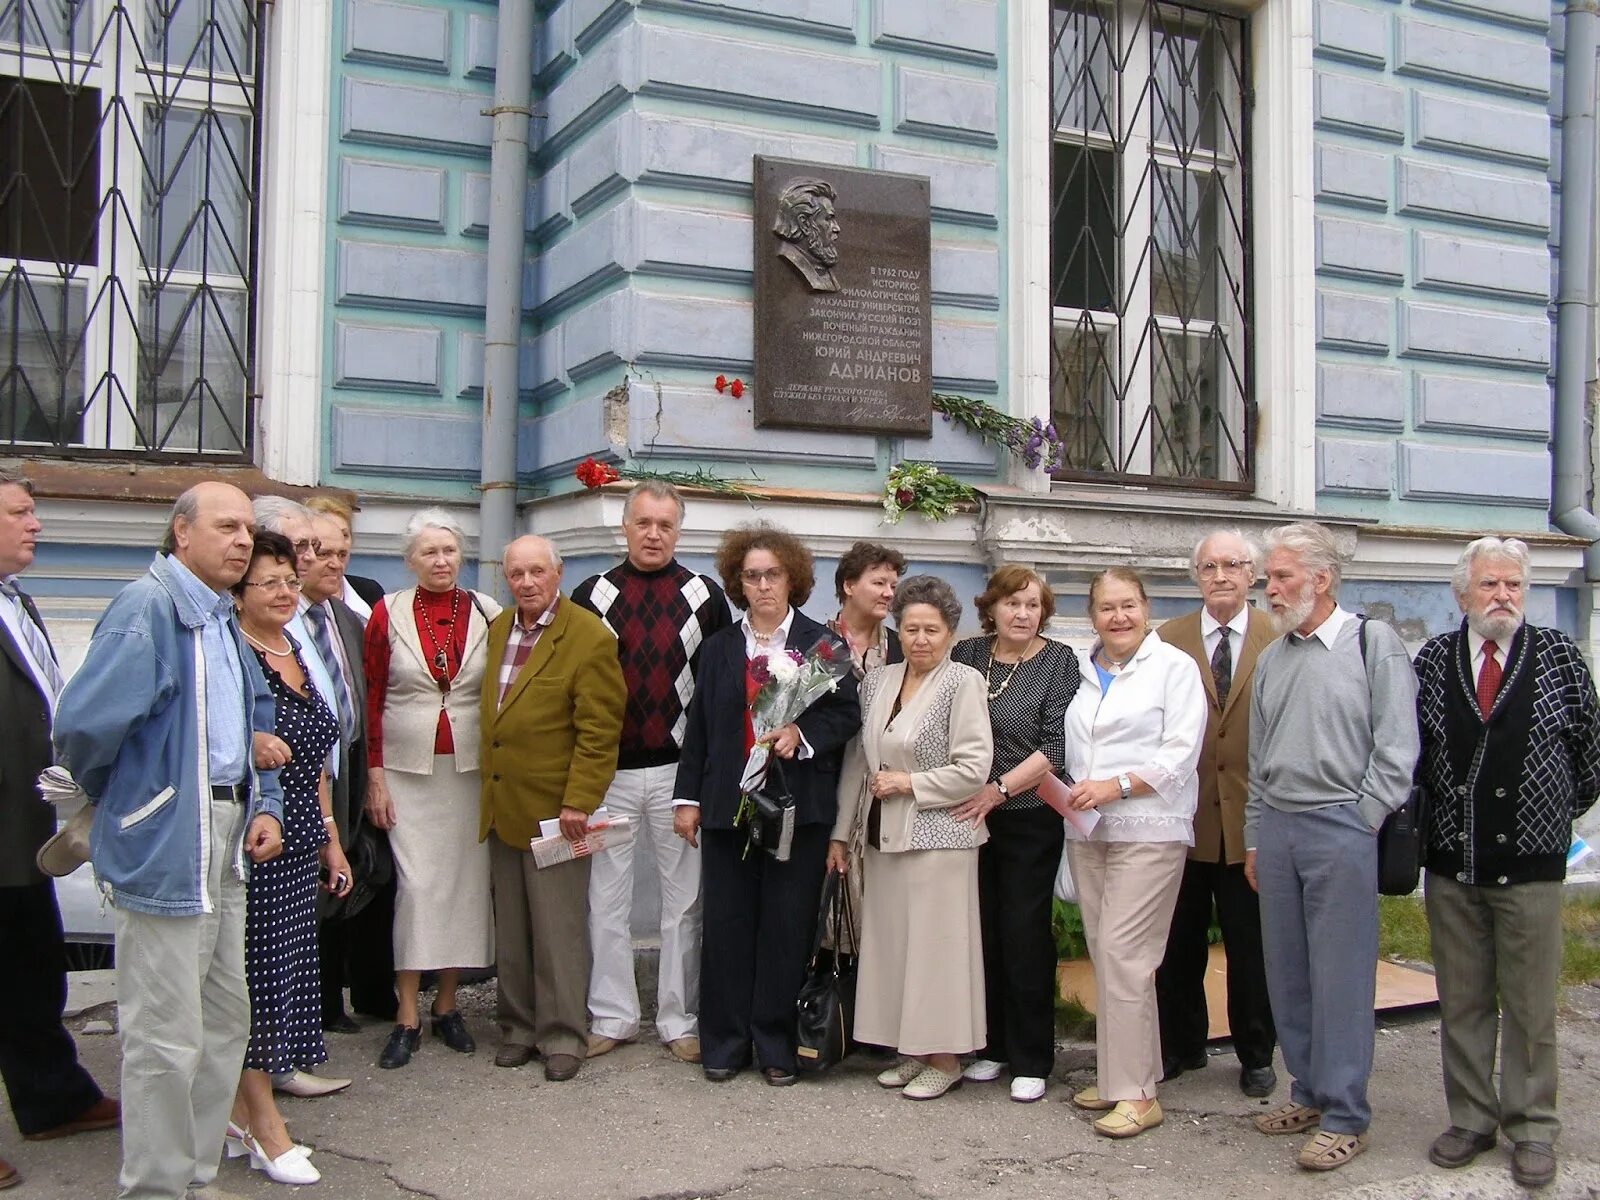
(317, 620)
(39, 648)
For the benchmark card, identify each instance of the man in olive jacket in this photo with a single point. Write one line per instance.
(552, 720)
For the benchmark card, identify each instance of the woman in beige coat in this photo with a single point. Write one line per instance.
(925, 747)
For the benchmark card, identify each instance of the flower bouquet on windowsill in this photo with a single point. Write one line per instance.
(920, 487)
(595, 474)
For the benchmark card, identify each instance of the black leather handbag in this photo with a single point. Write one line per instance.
(825, 1008)
(1400, 847)
(771, 814)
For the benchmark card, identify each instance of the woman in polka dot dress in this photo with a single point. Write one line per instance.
(281, 919)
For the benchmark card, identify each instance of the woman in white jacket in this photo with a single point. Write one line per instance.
(1133, 740)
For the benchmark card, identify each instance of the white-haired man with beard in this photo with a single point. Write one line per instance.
(1333, 743)
(1510, 758)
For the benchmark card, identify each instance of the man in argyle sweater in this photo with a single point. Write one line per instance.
(661, 613)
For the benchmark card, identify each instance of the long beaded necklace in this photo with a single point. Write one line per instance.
(1010, 675)
(441, 660)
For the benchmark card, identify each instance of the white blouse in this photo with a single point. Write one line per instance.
(1149, 723)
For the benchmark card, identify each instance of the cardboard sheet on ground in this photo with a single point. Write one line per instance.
(1399, 987)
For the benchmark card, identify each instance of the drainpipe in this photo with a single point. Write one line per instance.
(1575, 302)
(502, 326)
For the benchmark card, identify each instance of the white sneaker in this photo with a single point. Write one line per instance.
(1025, 1089)
(983, 1070)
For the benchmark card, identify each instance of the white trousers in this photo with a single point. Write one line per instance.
(184, 1012)
(645, 796)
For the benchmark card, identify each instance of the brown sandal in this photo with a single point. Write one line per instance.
(1291, 1118)
(1329, 1150)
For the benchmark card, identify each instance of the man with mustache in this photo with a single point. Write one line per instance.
(1333, 743)
(1510, 758)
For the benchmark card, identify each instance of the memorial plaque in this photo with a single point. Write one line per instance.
(843, 323)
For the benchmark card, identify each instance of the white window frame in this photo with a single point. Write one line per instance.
(293, 219)
(1281, 253)
(290, 132)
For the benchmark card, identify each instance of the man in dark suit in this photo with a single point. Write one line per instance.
(1224, 637)
(51, 1095)
(357, 951)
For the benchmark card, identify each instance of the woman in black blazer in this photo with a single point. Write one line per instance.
(759, 914)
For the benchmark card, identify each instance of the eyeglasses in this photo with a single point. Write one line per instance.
(275, 585)
(757, 578)
(314, 545)
(1231, 566)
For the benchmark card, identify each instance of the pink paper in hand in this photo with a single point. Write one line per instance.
(1055, 793)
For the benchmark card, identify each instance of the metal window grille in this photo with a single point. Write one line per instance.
(129, 173)
(1150, 244)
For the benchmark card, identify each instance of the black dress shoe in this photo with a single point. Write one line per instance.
(1176, 1065)
(1257, 1082)
(721, 1074)
(343, 1023)
(402, 1044)
(1456, 1147)
(512, 1055)
(450, 1029)
(1533, 1164)
(778, 1077)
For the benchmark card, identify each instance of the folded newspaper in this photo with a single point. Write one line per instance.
(550, 849)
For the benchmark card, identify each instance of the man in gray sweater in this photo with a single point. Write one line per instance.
(1333, 743)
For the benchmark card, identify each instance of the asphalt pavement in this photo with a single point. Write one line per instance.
(638, 1125)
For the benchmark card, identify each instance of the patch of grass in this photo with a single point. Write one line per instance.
(1403, 929)
(1073, 1020)
(1403, 934)
(1580, 931)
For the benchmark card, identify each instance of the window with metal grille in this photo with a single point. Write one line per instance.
(1150, 243)
(128, 181)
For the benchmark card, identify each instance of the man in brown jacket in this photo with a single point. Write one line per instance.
(552, 719)
(1224, 637)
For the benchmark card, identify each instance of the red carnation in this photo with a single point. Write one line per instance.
(904, 497)
(759, 674)
(593, 474)
(722, 383)
(824, 651)
(737, 388)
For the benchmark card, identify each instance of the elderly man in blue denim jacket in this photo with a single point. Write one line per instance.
(168, 728)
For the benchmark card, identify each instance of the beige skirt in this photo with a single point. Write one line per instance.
(919, 985)
(441, 917)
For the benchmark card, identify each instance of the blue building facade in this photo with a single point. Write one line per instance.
(1255, 261)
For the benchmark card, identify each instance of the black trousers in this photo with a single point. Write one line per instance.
(38, 1059)
(1180, 980)
(358, 953)
(759, 920)
(1016, 878)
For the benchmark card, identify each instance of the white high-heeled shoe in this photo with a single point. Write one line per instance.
(292, 1166)
(233, 1141)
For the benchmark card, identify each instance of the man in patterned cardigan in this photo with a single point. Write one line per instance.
(1510, 758)
(661, 613)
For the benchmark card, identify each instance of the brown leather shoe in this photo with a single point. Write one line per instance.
(1533, 1164)
(1456, 1147)
(558, 1068)
(512, 1055)
(104, 1113)
(9, 1175)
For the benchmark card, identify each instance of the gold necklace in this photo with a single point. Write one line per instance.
(286, 652)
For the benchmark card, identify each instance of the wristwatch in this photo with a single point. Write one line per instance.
(1000, 786)
(1126, 785)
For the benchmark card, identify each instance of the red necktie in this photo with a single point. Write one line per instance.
(1488, 680)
